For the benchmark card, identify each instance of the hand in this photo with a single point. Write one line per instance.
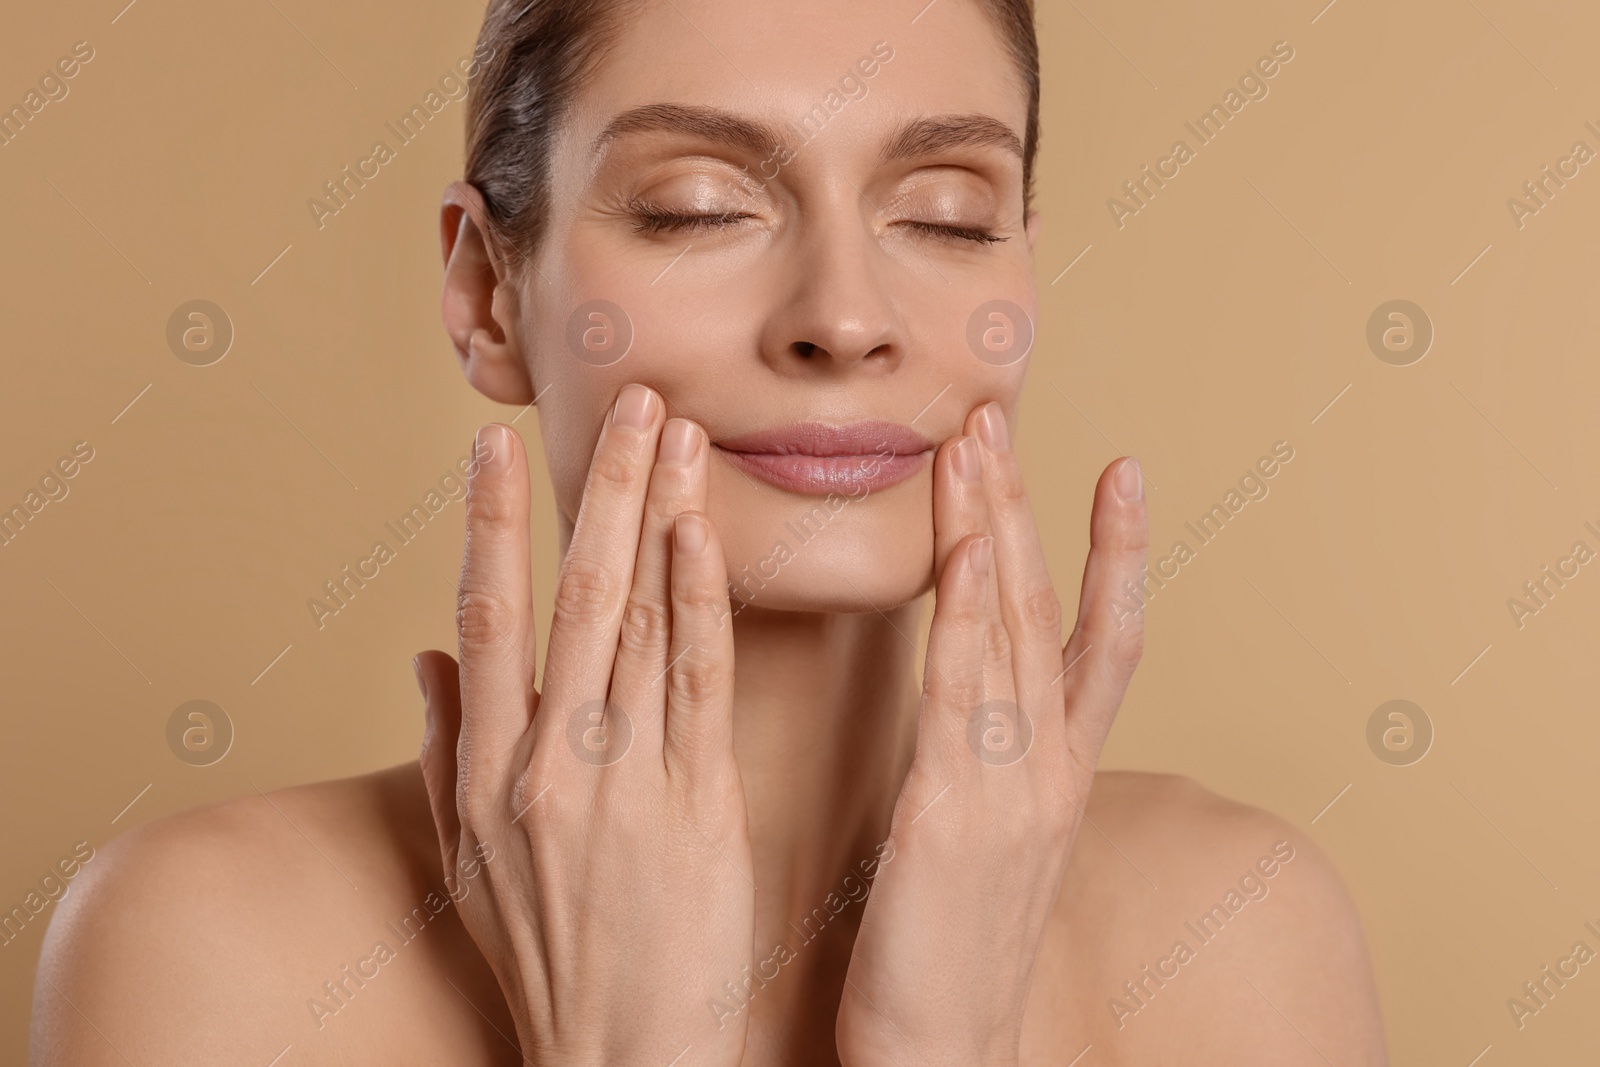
(988, 813)
(600, 819)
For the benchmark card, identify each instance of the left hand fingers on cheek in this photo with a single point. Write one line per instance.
(954, 684)
(959, 508)
(999, 645)
(1024, 596)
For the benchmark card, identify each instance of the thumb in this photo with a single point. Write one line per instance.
(439, 678)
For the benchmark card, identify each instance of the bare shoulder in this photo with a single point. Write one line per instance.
(1198, 929)
(213, 935)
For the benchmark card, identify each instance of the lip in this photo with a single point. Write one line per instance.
(815, 458)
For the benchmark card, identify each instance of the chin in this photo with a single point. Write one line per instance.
(792, 552)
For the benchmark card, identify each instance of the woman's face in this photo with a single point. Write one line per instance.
(811, 221)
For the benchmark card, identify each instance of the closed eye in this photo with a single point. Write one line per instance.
(650, 219)
(654, 220)
(963, 233)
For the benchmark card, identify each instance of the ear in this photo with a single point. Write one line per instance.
(1032, 226)
(480, 300)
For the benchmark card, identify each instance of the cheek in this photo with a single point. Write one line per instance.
(673, 305)
(568, 447)
(979, 333)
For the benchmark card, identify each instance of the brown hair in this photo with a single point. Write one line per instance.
(541, 51)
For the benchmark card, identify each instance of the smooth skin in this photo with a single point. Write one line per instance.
(640, 608)
(608, 897)
(926, 983)
(530, 890)
(638, 622)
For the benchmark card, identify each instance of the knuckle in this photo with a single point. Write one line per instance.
(1008, 486)
(487, 505)
(644, 626)
(475, 803)
(963, 693)
(695, 680)
(1041, 610)
(664, 503)
(700, 597)
(583, 591)
(615, 470)
(996, 642)
(483, 615)
(1126, 651)
(1124, 610)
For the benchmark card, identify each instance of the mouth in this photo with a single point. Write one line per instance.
(816, 459)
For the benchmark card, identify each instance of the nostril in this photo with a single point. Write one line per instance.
(804, 348)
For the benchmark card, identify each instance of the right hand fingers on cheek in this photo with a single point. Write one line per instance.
(494, 610)
(677, 484)
(597, 573)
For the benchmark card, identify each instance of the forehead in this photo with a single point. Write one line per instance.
(778, 61)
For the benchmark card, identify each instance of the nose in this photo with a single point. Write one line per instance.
(837, 314)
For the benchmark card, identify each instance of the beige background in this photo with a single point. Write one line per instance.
(1225, 316)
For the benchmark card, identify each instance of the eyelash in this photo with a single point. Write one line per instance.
(964, 233)
(655, 220)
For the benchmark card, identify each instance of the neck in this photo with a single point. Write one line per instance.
(825, 708)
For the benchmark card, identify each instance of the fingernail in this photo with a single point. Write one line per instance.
(981, 551)
(992, 428)
(689, 533)
(678, 441)
(492, 448)
(965, 457)
(634, 407)
(416, 665)
(1130, 483)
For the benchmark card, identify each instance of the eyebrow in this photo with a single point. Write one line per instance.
(927, 136)
(708, 123)
(910, 140)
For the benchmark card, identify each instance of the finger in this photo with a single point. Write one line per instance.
(953, 685)
(597, 573)
(960, 509)
(699, 726)
(494, 608)
(439, 681)
(1028, 601)
(959, 504)
(638, 680)
(1108, 638)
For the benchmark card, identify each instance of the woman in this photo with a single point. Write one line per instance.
(768, 276)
